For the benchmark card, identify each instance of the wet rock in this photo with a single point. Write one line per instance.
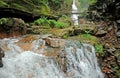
(46, 36)
(54, 42)
(1, 55)
(1, 64)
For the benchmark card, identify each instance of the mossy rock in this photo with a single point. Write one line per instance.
(45, 10)
(27, 6)
(3, 4)
(17, 6)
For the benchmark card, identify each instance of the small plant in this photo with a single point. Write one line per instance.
(99, 48)
(41, 21)
(3, 21)
(60, 25)
(50, 23)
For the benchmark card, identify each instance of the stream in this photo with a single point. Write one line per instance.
(48, 58)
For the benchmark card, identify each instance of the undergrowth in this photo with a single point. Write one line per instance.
(51, 23)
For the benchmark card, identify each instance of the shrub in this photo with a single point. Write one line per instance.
(41, 21)
(52, 23)
(59, 25)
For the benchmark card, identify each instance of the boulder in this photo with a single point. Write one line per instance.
(54, 42)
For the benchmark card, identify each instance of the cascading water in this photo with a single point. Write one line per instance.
(74, 13)
(60, 59)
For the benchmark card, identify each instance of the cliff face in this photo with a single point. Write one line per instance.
(37, 7)
(26, 5)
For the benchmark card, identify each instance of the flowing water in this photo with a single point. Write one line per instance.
(74, 13)
(73, 60)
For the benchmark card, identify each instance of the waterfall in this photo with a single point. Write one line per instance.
(70, 59)
(74, 13)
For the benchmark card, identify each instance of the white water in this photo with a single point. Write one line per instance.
(74, 13)
(79, 61)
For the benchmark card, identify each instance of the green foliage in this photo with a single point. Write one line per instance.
(57, 24)
(118, 74)
(41, 21)
(41, 6)
(3, 21)
(56, 3)
(52, 23)
(66, 19)
(39, 2)
(99, 48)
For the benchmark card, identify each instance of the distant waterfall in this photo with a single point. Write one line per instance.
(74, 13)
(73, 60)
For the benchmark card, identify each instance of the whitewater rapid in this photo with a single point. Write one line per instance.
(73, 60)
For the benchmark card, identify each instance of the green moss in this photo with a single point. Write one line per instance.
(99, 48)
(37, 11)
(42, 22)
(65, 36)
(69, 2)
(17, 6)
(118, 74)
(87, 38)
(21, 3)
(45, 10)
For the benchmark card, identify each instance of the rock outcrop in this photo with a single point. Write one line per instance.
(1, 56)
